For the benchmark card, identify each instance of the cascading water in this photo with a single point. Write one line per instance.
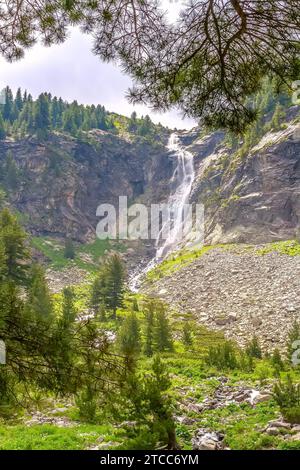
(181, 182)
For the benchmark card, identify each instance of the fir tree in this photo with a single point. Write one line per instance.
(2, 128)
(129, 338)
(149, 330)
(68, 306)
(11, 174)
(69, 251)
(18, 101)
(42, 115)
(8, 105)
(159, 403)
(132, 125)
(162, 334)
(112, 281)
(39, 297)
(276, 360)
(16, 251)
(187, 336)
(253, 348)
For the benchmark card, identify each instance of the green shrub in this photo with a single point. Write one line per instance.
(222, 357)
(287, 396)
(87, 405)
(253, 349)
(292, 415)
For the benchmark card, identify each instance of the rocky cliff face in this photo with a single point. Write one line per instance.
(254, 199)
(61, 181)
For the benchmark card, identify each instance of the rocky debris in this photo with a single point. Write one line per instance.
(104, 445)
(239, 292)
(186, 420)
(40, 418)
(208, 440)
(281, 428)
(225, 395)
(70, 276)
(259, 397)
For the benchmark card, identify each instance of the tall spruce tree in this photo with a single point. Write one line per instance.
(42, 115)
(149, 329)
(39, 297)
(2, 128)
(19, 100)
(16, 251)
(109, 285)
(11, 173)
(8, 104)
(162, 331)
(129, 340)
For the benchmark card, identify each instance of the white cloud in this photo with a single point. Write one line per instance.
(71, 71)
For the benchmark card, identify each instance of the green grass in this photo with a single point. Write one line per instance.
(185, 257)
(87, 255)
(176, 262)
(47, 436)
(289, 247)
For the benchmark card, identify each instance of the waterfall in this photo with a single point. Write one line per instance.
(182, 181)
(181, 184)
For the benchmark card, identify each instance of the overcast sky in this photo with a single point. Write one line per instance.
(71, 71)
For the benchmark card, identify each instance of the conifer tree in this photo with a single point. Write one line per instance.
(149, 330)
(162, 334)
(159, 403)
(187, 336)
(69, 251)
(18, 100)
(8, 105)
(101, 312)
(132, 125)
(2, 128)
(110, 284)
(253, 348)
(129, 338)
(16, 251)
(68, 306)
(42, 115)
(11, 174)
(39, 297)
(277, 361)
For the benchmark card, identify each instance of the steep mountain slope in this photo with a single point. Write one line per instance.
(253, 198)
(61, 180)
(249, 198)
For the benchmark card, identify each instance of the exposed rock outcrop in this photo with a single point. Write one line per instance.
(253, 199)
(63, 179)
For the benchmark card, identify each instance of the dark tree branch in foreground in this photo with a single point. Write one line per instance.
(206, 64)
